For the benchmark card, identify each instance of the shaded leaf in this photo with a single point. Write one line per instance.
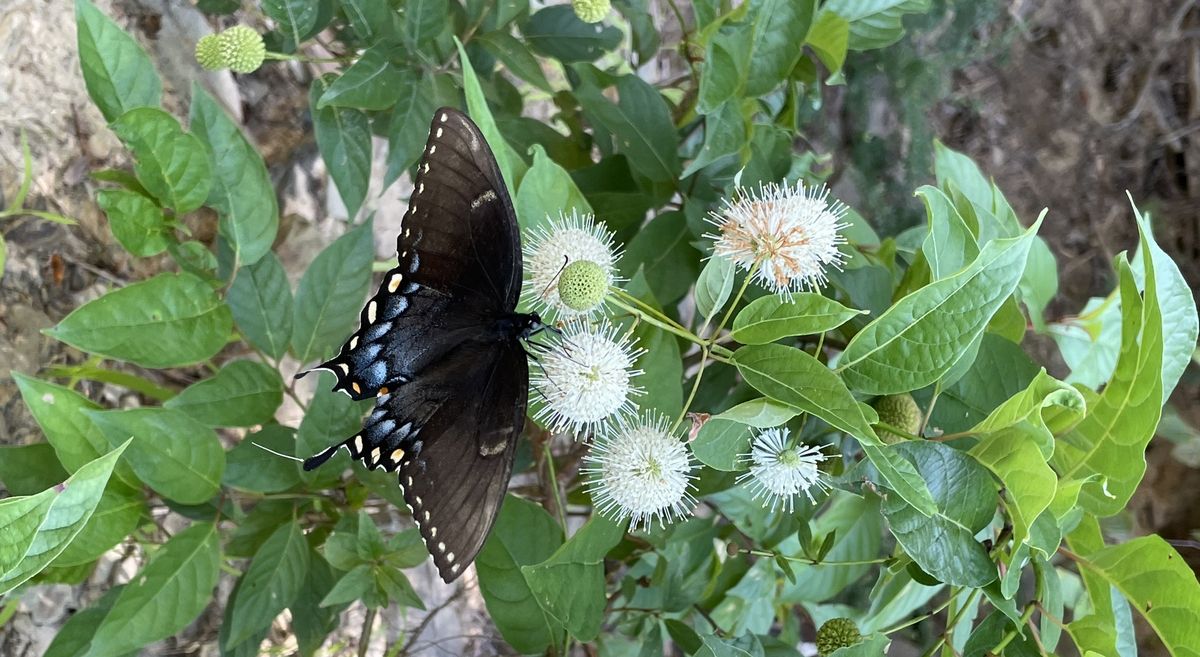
(557, 32)
(243, 393)
(344, 139)
(136, 222)
(271, 583)
(175, 455)
(331, 293)
(569, 586)
(261, 303)
(118, 73)
(171, 164)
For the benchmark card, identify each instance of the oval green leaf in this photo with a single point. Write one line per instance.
(274, 579)
(135, 220)
(177, 456)
(243, 393)
(171, 164)
(262, 305)
(331, 293)
(774, 317)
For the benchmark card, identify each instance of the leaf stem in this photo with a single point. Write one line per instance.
(562, 516)
(695, 386)
(815, 562)
(733, 304)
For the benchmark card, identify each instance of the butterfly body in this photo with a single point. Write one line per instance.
(439, 347)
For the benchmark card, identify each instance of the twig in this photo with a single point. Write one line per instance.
(364, 641)
(416, 633)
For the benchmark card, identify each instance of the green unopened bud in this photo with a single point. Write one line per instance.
(582, 285)
(591, 11)
(837, 633)
(900, 411)
(243, 49)
(208, 53)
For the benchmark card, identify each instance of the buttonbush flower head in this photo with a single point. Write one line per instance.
(551, 250)
(583, 379)
(900, 411)
(642, 472)
(591, 11)
(790, 233)
(242, 49)
(780, 472)
(837, 633)
(208, 53)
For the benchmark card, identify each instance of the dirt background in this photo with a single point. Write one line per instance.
(1066, 103)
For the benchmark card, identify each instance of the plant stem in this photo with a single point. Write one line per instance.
(814, 562)
(562, 516)
(695, 386)
(1012, 634)
(733, 304)
(650, 319)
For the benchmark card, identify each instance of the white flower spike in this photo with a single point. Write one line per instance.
(641, 472)
(550, 249)
(780, 472)
(791, 233)
(583, 380)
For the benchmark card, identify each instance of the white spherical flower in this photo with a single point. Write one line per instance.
(583, 378)
(780, 472)
(641, 472)
(550, 249)
(790, 233)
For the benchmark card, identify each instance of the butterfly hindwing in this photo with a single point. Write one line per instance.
(459, 257)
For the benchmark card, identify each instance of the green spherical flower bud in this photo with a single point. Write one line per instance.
(209, 54)
(582, 285)
(243, 49)
(591, 11)
(836, 633)
(900, 411)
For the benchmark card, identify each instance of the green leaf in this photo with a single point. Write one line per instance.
(344, 139)
(331, 294)
(943, 544)
(761, 413)
(166, 596)
(875, 23)
(424, 19)
(661, 364)
(118, 73)
(1016, 442)
(261, 303)
(167, 321)
(408, 128)
(29, 469)
(569, 585)
(294, 18)
(545, 191)
(311, 622)
(352, 586)
(243, 393)
(512, 167)
(829, 37)
(368, 83)
(780, 27)
(524, 535)
(726, 132)
(858, 529)
(662, 252)
(714, 287)
(76, 634)
(873, 645)
(557, 32)
(1159, 584)
(62, 415)
(641, 123)
(34, 530)
(773, 317)
(1039, 283)
(171, 164)
(250, 467)
(271, 583)
(116, 517)
(924, 335)
(135, 220)
(371, 20)
(175, 455)
(950, 244)
(1111, 439)
(795, 378)
(1091, 343)
(193, 257)
(242, 193)
(509, 50)
(721, 444)
(726, 65)
(1001, 370)
(1180, 323)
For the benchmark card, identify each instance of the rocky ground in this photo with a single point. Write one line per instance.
(1082, 101)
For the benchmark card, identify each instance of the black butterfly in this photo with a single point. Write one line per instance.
(440, 348)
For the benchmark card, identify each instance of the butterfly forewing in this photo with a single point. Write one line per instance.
(438, 348)
(459, 257)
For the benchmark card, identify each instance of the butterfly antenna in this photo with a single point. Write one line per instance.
(280, 454)
(554, 281)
